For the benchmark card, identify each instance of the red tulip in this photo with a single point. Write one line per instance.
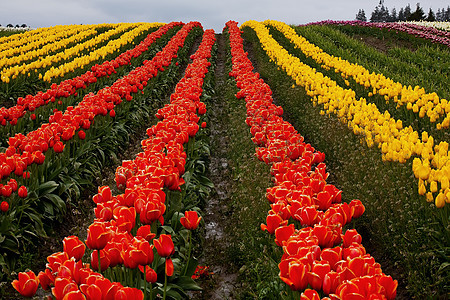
(113, 252)
(310, 295)
(6, 190)
(190, 220)
(127, 293)
(145, 231)
(81, 134)
(330, 282)
(104, 194)
(150, 274)
(27, 284)
(58, 147)
(390, 286)
(13, 184)
(169, 267)
(104, 260)
(97, 236)
(63, 286)
(74, 247)
(92, 291)
(139, 252)
(332, 256)
(164, 245)
(293, 273)
(358, 208)
(46, 279)
(351, 236)
(125, 218)
(22, 192)
(317, 274)
(283, 233)
(4, 206)
(273, 222)
(56, 260)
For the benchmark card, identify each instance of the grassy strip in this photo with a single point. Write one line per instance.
(251, 251)
(402, 234)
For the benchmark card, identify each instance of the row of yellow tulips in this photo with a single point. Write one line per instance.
(396, 142)
(79, 61)
(111, 47)
(416, 99)
(24, 38)
(42, 47)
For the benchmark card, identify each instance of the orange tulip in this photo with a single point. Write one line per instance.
(27, 284)
(190, 220)
(74, 247)
(164, 245)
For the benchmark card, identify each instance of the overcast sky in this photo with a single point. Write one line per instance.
(212, 14)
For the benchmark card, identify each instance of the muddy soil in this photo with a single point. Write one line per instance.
(223, 282)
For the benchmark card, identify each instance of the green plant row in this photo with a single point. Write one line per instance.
(399, 229)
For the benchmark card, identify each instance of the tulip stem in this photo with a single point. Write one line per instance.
(145, 282)
(165, 285)
(99, 263)
(189, 252)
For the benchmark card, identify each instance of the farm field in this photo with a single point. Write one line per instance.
(267, 161)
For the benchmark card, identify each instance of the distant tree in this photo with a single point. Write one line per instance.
(17, 26)
(438, 15)
(361, 16)
(447, 14)
(407, 12)
(401, 15)
(417, 15)
(431, 17)
(24, 26)
(380, 14)
(393, 16)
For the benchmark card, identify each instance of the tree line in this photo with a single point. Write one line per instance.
(382, 14)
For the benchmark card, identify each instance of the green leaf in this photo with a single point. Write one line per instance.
(56, 201)
(173, 294)
(47, 188)
(187, 283)
(205, 181)
(168, 229)
(192, 265)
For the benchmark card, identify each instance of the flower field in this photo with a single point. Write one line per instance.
(334, 156)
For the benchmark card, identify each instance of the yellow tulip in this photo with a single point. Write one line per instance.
(440, 200)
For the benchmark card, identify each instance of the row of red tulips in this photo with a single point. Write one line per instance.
(25, 150)
(71, 86)
(318, 255)
(429, 33)
(123, 233)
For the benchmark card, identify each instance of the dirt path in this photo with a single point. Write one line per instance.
(216, 212)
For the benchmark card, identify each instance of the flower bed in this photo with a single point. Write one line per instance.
(319, 254)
